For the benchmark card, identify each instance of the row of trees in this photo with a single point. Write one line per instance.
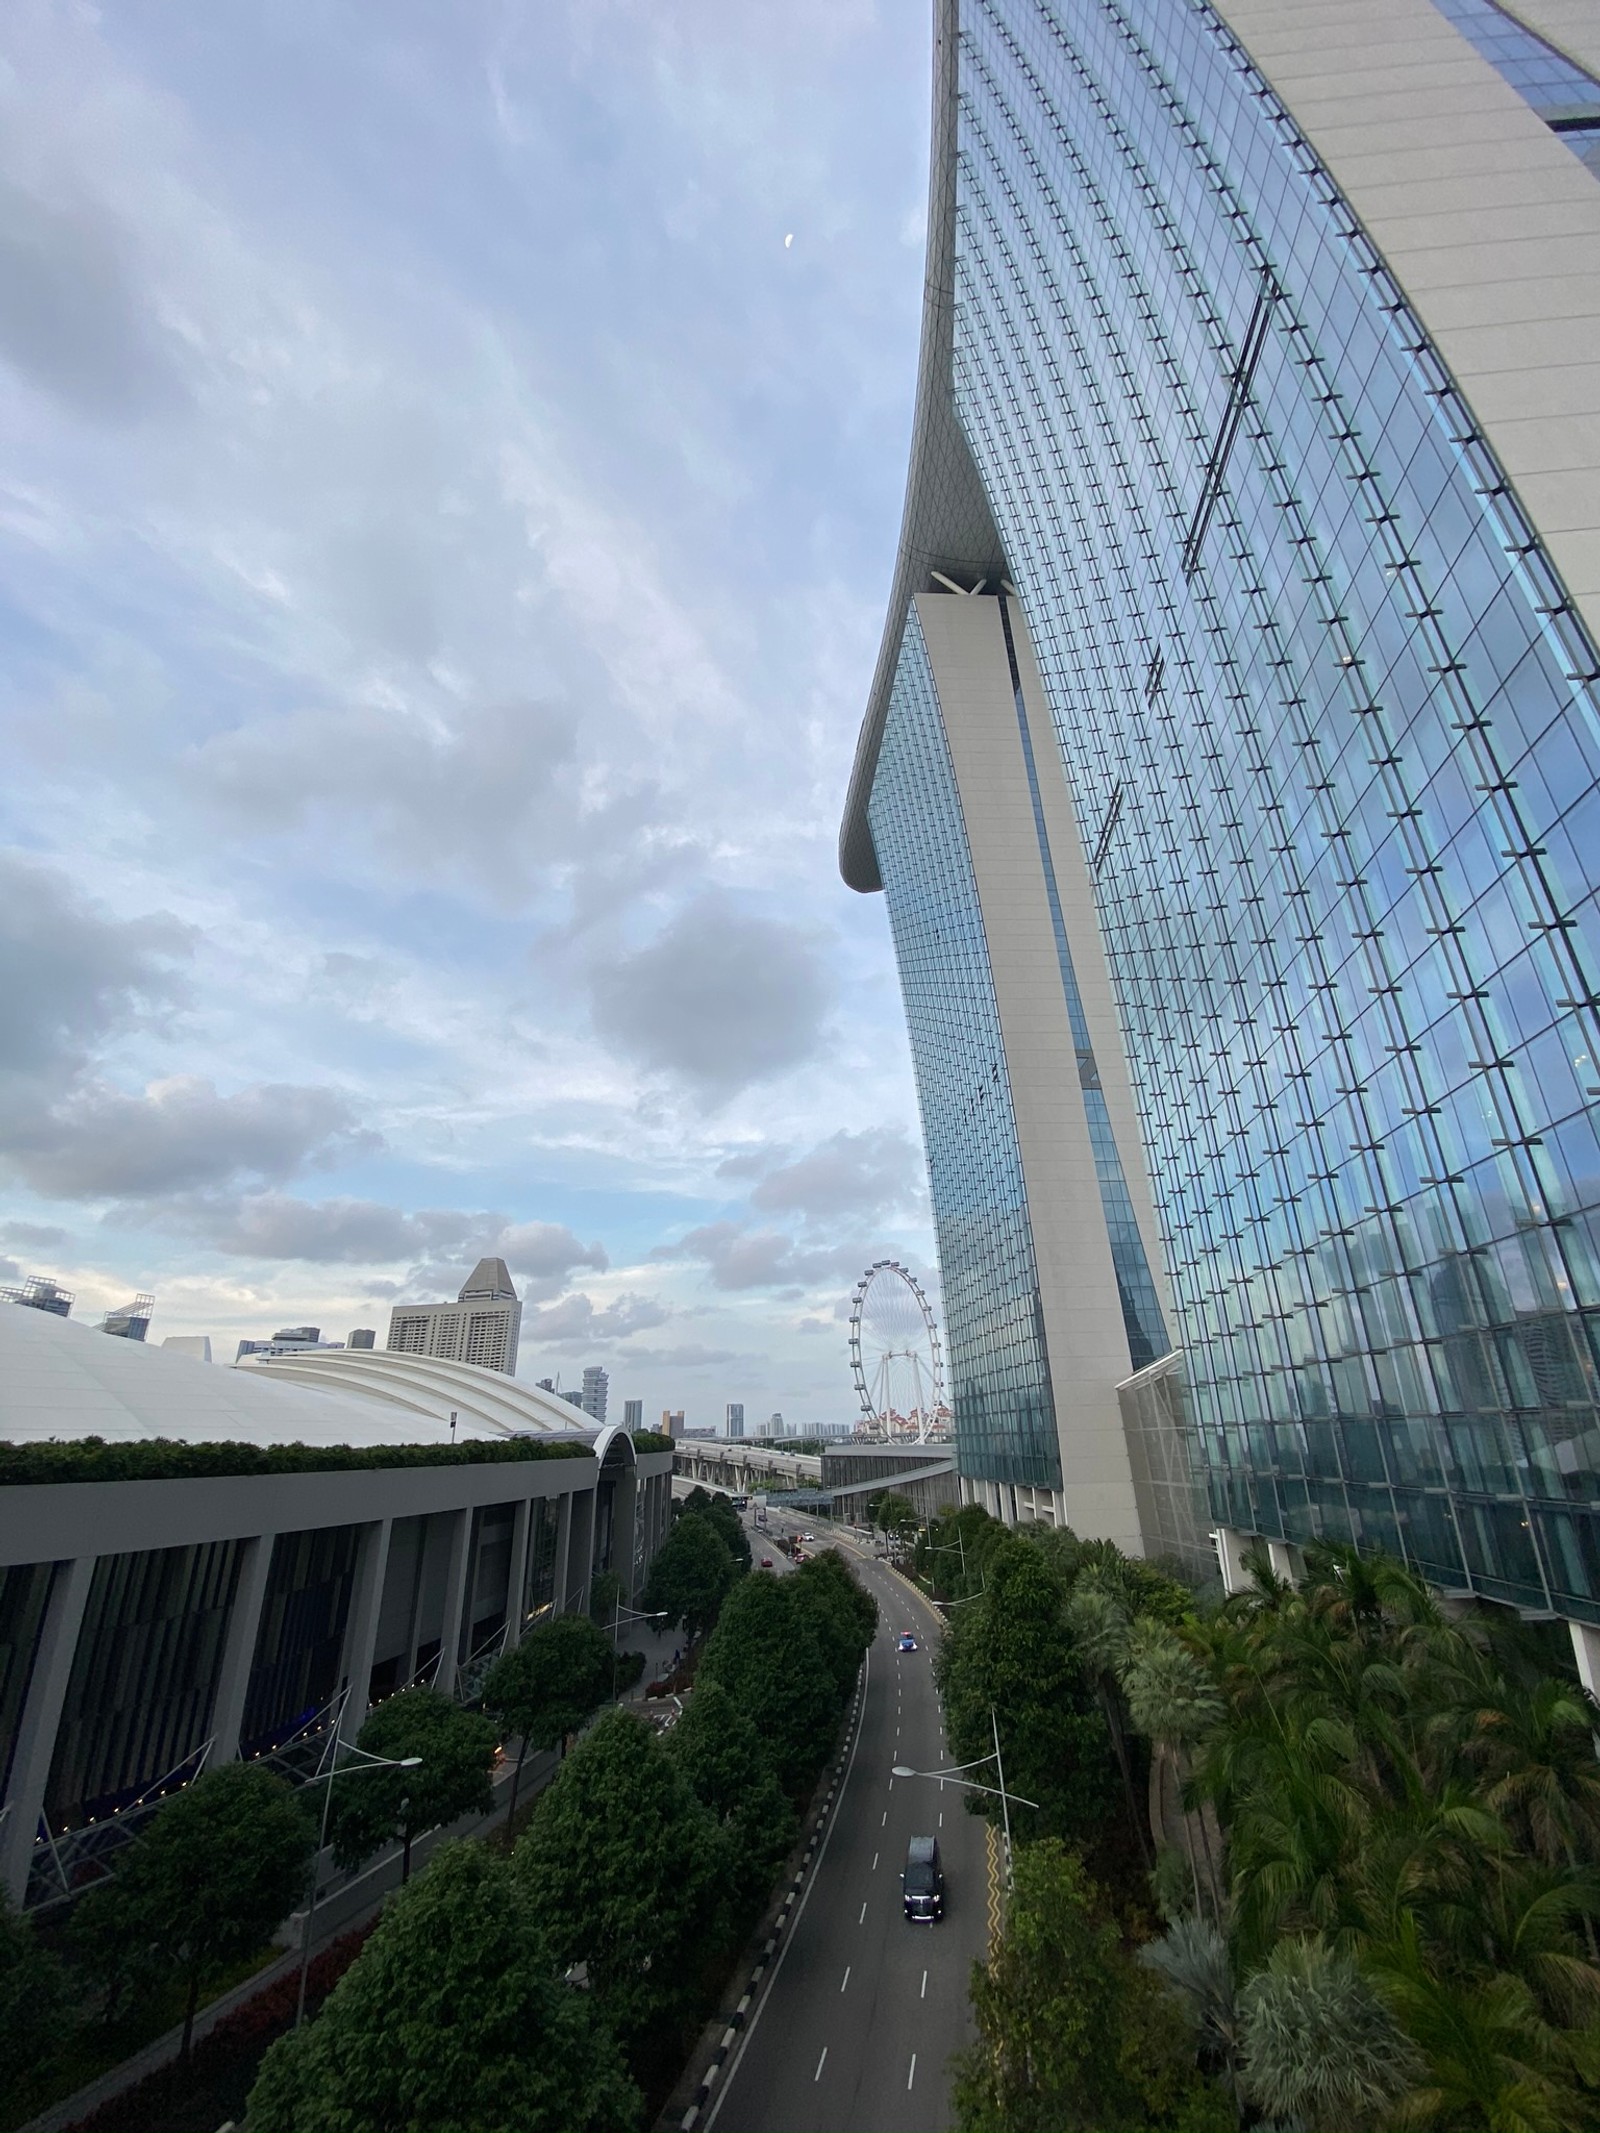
(560, 1988)
(212, 1875)
(1370, 1829)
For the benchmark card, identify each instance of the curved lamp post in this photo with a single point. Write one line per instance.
(953, 1776)
(326, 1777)
(619, 1615)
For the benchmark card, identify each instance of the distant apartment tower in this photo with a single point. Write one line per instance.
(595, 1386)
(633, 1414)
(736, 1418)
(672, 1421)
(363, 1337)
(775, 1426)
(481, 1326)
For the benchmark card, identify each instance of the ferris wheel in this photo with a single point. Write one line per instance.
(895, 1356)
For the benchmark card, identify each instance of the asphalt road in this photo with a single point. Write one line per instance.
(863, 2010)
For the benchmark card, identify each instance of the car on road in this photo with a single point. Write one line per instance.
(922, 1883)
(908, 1643)
(808, 1537)
(766, 1562)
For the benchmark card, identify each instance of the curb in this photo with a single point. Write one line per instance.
(741, 2013)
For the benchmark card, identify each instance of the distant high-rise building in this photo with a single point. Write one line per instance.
(595, 1386)
(481, 1326)
(545, 1384)
(363, 1337)
(776, 1424)
(40, 1293)
(672, 1421)
(736, 1418)
(633, 1414)
(575, 1395)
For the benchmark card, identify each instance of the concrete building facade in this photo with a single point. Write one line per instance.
(482, 1326)
(1240, 679)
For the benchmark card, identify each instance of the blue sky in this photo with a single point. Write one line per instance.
(452, 463)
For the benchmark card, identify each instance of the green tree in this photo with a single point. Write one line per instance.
(372, 1808)
(208, 1879)
(691, 1575)
(1008, 1652)
(1071, 2033)
(1174, 1702)
(624, 1870)
(36, 2012)
(453, 2019)
(1321, 2048)
(895, 1514)
(700, 1503)
(606, 1597)
(546, 1686)
(843, 1615)
(765, 1653)
(721, 1754)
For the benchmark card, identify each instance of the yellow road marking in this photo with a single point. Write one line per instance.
(991, 1846)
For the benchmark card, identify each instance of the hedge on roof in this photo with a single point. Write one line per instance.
(166, 1459)
(651, 1440)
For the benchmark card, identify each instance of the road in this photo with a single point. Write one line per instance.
(863, 2010)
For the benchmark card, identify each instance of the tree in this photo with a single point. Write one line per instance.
(208, 1879)
(546, 1686)
(700, 1503)
(765, 1653)
(894, 1513)
(1321, 2049)
(623, 1870)
(722, 1755)
(1072, 2034)
(453, 2019)
(1174, 1702)
(691, 1575)
(373, 1807)
(606, 1597)
(842, 1614)
(1008, 1652)
(36, 2013)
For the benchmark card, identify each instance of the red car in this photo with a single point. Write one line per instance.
(766, 1562)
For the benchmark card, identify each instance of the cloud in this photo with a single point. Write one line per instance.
(688, 1357)
(70, 976)
(178, 1136)
(739, 1258)
(73, 320)
(575, 1322)
(863, 1175)
(351, 1232)
(720, 999)
(35, 1236)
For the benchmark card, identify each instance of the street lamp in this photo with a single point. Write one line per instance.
(619, 1615)
(952, 1776)
(368, 1762)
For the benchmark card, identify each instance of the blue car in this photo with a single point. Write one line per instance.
(908, 1643)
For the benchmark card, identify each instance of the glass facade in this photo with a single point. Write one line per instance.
(994, 1324)
(1332, 728)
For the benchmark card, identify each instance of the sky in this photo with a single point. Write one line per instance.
(452, 460)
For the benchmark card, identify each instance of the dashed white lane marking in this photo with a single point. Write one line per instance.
(910, 2077)
(846, 1978)
(817, 2076)
(861, 1921)
(941, 1817)
(924, 1992)
(884, 1824)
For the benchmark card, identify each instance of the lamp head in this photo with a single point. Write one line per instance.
(408, 1762)
(901, 1770)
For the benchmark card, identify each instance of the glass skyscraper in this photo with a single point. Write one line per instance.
(1257, 458)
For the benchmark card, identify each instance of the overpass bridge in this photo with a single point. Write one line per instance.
(743, 1469)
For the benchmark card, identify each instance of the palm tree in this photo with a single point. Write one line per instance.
(1320, 2047)
(1173, 1700)
(1100, 1627)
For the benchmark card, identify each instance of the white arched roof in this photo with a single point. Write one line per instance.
(486, 1402)
(62, 1379)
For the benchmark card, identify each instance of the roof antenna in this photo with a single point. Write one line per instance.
(452, 1425)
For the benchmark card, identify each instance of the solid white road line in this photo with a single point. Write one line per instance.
(817, 2076)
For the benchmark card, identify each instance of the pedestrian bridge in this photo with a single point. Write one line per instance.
(743, 1469)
